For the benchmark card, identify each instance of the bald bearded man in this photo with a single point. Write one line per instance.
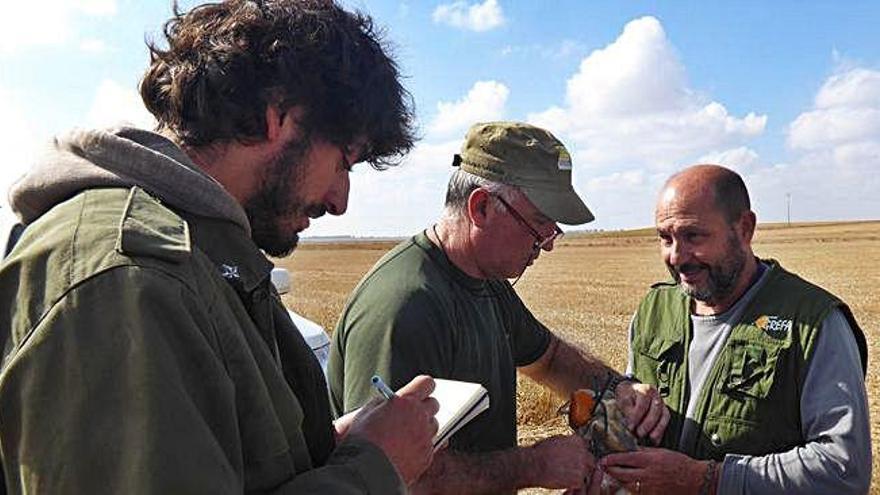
(762, 370)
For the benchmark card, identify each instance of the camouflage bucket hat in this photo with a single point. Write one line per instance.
(529, 158)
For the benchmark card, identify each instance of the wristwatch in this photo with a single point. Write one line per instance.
(617, 380)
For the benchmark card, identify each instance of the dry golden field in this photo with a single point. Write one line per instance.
(588, 287)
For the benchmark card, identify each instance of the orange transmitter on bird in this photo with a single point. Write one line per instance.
(596, 417)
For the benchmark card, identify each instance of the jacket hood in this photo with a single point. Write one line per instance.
(121, 157)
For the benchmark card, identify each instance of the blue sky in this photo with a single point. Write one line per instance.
(787, 93)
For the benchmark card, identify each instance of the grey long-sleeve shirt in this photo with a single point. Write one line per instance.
(836, 454)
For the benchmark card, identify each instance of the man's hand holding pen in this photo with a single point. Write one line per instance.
(402, 426)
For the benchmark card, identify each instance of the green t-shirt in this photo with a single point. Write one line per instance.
(416, 313)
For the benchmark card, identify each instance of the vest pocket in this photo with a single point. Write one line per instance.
(747, 411)
(663, 356)
(752, 369)
(724, 435)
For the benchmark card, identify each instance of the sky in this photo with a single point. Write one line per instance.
(787, 93)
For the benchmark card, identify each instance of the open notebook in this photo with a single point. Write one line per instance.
(460, 402)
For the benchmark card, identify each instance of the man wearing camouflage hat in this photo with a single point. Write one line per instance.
(440, 303)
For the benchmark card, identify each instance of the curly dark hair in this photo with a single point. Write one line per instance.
(226, 62)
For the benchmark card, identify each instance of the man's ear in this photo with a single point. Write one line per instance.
(282, 125)
(478, 205)
(747, 223)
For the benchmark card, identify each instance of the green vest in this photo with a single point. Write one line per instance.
(750, 402)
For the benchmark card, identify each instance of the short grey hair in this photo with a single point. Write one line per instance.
(462, 184)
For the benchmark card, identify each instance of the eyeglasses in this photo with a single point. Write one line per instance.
(541, 242)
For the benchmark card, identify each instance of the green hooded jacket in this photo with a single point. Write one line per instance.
(146, 350)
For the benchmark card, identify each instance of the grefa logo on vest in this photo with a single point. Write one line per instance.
(773, 324)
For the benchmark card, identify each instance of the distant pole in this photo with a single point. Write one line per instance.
(788, 208)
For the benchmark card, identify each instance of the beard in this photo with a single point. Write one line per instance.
(279, 198)
(721, 277)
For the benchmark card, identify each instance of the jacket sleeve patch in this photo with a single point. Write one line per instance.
(150, 229)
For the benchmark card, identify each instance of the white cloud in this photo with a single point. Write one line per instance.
(374, 207)
(630, 105)
(484, 102)
(742, 159)
(476, 17)
(21, 139)
(24, 25)
(831, 126)
(115, 104)
(621, 199)
(854, 88)
(565, 49)
(17, 140)
(837, 172)
(846, 110)
(420, 181)
(95, 7)
(93, 45)
(403, 9)
(631, 118)
(561, 50)
(834, 170)
(638, 73)
(820, 189)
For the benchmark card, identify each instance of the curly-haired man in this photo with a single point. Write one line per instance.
(146, 350)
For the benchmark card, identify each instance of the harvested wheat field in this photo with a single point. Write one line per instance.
(588, 287)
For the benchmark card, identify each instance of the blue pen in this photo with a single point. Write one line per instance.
(383, 388)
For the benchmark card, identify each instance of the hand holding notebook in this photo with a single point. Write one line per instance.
(460, 402)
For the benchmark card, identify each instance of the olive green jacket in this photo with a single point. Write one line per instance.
(148, 353)
(750, 401)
